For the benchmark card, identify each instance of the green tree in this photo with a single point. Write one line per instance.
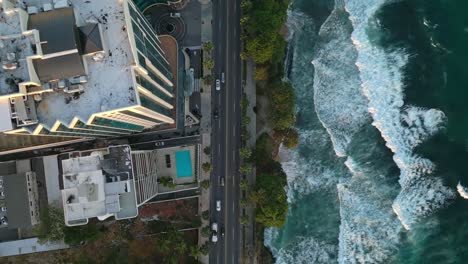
(291, 139)
(205, 184)
(244, 184)
(205, 231)
(208, 46)
(271, 212)
(77, 234)
(243, 203)
(245, 168)
(205, 249)
(244, 220)
(206, 215)
(207, 150)
(206, 167)
(208, 63)
(208, 79)
(245, 120)
(51, 226)
(245, 152)
(167, 182)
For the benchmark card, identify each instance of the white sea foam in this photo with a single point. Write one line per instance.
(339, 103)
(369, 229)
(307, 175)
(403, 128)
(302, 250)
(462, 190)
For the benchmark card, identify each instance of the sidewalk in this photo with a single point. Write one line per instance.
(205, 122)
(249, 230)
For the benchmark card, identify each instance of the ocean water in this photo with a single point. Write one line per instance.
(379, 175)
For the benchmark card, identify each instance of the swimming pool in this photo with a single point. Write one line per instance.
(183, 164)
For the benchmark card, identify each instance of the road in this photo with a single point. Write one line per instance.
(226, 130)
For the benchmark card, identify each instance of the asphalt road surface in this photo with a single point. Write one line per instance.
(226, 131)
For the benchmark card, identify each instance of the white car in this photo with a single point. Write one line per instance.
(214, 238)
(175, 14)
(218, 85)
(218, 205)
(3, 209)
(214, 227)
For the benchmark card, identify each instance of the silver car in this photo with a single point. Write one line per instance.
(218, 85)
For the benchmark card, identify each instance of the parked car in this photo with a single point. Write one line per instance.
(3, 209)
(175, 14)
(214, 227)
(4, 220)
(218, 85)
(214, 238)
(218, 205)
(215, 114)
(2, 193)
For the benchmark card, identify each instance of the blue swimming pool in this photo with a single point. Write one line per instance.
(183, 164)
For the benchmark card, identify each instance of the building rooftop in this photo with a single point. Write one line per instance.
(17, 200)
(98, 185)
(109, 79)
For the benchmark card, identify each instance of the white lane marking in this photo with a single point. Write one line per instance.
(234, 130)
(234, 107)
(219, 125)
(219, 148)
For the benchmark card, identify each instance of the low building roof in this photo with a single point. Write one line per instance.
(17, 200)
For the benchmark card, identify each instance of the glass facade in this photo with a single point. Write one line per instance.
(153, 89)
(100, 121)
(152, 105)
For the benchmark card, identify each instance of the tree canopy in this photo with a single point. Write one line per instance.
(271, 212)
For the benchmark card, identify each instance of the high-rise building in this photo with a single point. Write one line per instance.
(72, 70)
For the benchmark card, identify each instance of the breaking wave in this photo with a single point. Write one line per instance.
(402, 127)
(339, 104)
(305, 250)
(462, 190)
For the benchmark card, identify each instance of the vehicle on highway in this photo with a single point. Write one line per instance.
(218, 85)
(215, 114)
(221, 181)
(218, 205)
(222, 77)
(214, 238)
(214, 227)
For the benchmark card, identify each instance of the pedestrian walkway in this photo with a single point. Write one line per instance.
(196, 85)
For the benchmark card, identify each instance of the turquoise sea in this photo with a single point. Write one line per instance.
(382, 109)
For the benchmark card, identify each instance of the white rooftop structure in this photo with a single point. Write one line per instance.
(92, 189)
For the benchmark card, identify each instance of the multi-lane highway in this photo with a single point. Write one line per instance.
(226, 130)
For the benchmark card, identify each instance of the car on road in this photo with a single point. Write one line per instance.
(3, 209)
(218, 85)
(215, 114)
(214, 238)
(221, 181)
(175, 14)
(214, 227)
(218, 205)
(159, 144)
(223, 80)
(4, 220)
(2, 194)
